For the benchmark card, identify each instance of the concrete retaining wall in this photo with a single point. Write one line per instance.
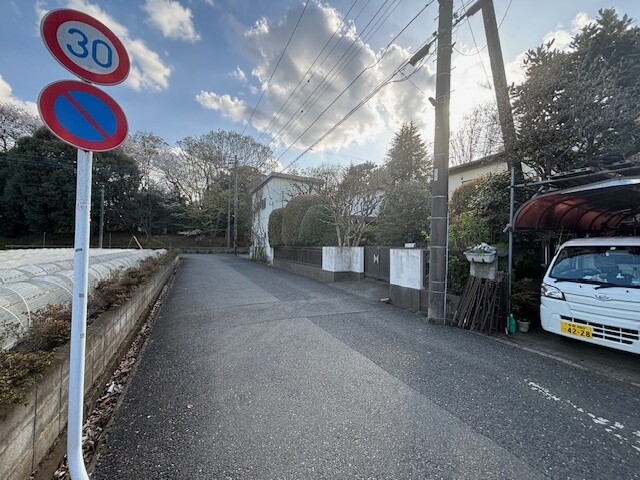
(28, 432)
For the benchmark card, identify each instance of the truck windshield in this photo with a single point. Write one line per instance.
(603, 265)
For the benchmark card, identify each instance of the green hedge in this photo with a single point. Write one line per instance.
(317, 228)
(275, 227)
(293, 215)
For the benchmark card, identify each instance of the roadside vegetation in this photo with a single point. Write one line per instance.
(21, 366)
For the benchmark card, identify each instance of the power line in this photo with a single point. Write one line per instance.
(341, 64)
(276, 67)
(296, 92)
(352, 82)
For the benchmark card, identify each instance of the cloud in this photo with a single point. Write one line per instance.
(147, 68)
(297, 96)
(562, 36)
(173, 20)
(238, 74)
(230, 107)
(6, 96)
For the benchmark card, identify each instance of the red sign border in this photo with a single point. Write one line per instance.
(49, 28)
(47, 98)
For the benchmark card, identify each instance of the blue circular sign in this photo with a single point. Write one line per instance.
(82, 115)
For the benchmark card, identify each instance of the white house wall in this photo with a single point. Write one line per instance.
(277, 193)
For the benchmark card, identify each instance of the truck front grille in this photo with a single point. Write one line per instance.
(610, 333)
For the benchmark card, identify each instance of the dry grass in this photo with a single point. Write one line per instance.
(21, 366)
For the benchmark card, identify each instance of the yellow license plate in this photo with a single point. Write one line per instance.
(582, 331)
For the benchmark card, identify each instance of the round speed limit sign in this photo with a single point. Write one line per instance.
(85, 46)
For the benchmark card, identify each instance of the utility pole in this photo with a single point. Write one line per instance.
(235, 206)
(228, 232)
(505, 113)
(440, 184)
(101, 230)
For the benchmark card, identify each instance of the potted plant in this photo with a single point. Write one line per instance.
(524, 302)
(481, 253)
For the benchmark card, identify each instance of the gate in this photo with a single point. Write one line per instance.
(377, 263)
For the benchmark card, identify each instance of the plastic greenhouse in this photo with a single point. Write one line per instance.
(32, 279)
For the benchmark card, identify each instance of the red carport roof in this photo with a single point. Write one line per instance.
(595, 207)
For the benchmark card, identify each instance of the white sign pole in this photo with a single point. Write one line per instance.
(79, 316)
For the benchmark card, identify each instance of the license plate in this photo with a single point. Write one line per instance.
(582, 331)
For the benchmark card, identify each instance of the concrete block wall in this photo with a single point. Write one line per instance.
(406, 278)
(343, 262)
(28, 432)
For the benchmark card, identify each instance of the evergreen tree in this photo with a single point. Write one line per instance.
(406, 208)
(580, 107)
(407, 158)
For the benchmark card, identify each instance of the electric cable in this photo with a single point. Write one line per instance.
(275, 68)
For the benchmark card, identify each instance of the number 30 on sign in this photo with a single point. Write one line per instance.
(85, 47)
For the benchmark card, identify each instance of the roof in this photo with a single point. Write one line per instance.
(604, 241)
(488, 160)
(287, 176)
(595, 207)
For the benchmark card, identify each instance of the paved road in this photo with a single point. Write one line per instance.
(255, 373)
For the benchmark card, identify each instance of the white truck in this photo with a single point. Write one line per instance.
(591, 292)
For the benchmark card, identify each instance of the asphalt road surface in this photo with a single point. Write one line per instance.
(255, 373)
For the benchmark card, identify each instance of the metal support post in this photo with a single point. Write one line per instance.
(101, 231)
(79, 317)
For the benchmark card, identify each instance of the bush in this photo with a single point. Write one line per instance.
(19, 371)
(469, 228)
(316, 228)
(525, 299)
(50, 328)
(457, 273)
(293, 215)
(275, 228)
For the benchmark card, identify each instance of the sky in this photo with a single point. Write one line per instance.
(287, 73)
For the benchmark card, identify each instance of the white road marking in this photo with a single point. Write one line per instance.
(611, 427)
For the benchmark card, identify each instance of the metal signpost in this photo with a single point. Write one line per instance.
(89, 119)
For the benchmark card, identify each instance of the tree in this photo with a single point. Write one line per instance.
(405, 214)
(275, 227)
(202, 170)
(38, 187)
(578, 108)
(15, 123)
(156, 200)
(352, 196)
(293, 215)
(316, 228)
(201, 161)
(477, 136)
(407, 158)
(406, 208)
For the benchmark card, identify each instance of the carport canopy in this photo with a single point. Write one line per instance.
(595, 207)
